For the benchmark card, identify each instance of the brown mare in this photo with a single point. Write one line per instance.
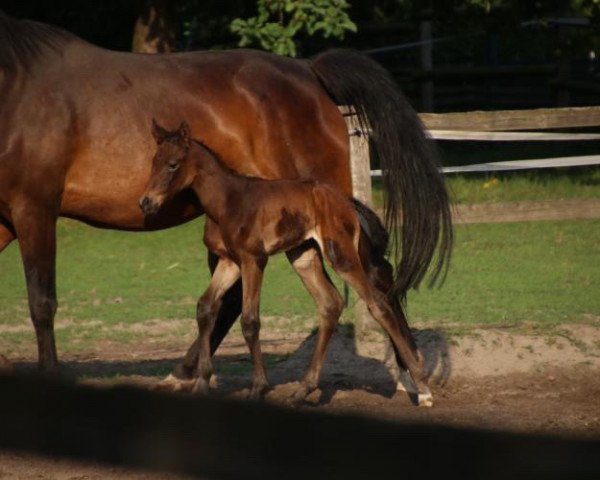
(250, 219)
(74, 142)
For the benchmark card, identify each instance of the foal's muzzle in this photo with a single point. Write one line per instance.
(148, 206)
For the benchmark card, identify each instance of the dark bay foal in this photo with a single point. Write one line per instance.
(249, 219)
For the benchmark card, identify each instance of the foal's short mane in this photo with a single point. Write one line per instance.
(218, 159)
(23, 41)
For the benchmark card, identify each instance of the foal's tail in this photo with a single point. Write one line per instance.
(371, 225)
(380, 272)
(415, 194)
(373, 246)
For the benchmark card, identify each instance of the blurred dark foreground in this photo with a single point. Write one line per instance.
(229, 439)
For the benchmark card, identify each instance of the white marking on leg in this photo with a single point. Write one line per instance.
(425, 400)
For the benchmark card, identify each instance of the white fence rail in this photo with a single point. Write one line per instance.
(497, 126)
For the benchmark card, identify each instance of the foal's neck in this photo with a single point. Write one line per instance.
(214, 182)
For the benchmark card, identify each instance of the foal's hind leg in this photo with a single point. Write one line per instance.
(308, 263)
(344, 259)
(225, 275)
(380, 274)
(252, 274)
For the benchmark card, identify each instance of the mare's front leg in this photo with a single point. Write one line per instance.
(252, 273)
(7, 235)
(308, 263)
(35, 228)
(225, 275)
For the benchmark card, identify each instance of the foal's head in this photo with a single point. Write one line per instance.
(171, 171)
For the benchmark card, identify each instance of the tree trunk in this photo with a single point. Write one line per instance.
(154, 31)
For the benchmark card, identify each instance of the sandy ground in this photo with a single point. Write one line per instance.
(490, 379)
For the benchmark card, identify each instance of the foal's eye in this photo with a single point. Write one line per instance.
(173, 166)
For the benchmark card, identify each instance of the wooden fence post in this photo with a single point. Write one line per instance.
(366, 328)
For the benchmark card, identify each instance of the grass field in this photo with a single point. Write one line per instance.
(120, 286)
(550, 184)
(518, 274)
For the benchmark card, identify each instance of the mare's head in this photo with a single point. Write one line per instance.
(171, 172)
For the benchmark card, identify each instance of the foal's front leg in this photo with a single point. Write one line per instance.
(225, 275)
(252, 273)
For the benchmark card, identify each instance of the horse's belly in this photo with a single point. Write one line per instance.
(120, 210)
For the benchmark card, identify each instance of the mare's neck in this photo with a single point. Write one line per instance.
(213, 183)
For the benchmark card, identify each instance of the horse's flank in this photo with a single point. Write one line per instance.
(86, 122)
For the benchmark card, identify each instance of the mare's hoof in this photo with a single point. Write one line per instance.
(425, 400)
(201, 387)
(173, 384)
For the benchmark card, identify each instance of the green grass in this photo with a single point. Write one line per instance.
(542, 184)
(132, 277)
(550, 184)
(541, 273)
(514, 274)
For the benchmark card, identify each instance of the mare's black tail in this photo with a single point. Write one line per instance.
(414, 189)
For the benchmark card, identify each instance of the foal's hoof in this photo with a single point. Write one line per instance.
(299, 396)
(425, 400)
(173, 384)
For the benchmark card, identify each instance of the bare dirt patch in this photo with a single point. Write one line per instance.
(491, 379)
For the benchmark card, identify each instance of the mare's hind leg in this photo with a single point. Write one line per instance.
(35, 228)
(252, 274)
(308, 263)
(344, 259)
(225, 275)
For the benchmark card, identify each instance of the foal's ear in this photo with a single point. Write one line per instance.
(185, 135)
(158, 132)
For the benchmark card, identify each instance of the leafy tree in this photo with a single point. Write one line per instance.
(279, 22)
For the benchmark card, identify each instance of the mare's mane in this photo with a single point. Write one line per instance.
(23, 41)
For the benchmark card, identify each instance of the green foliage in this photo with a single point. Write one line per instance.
(279, 22)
